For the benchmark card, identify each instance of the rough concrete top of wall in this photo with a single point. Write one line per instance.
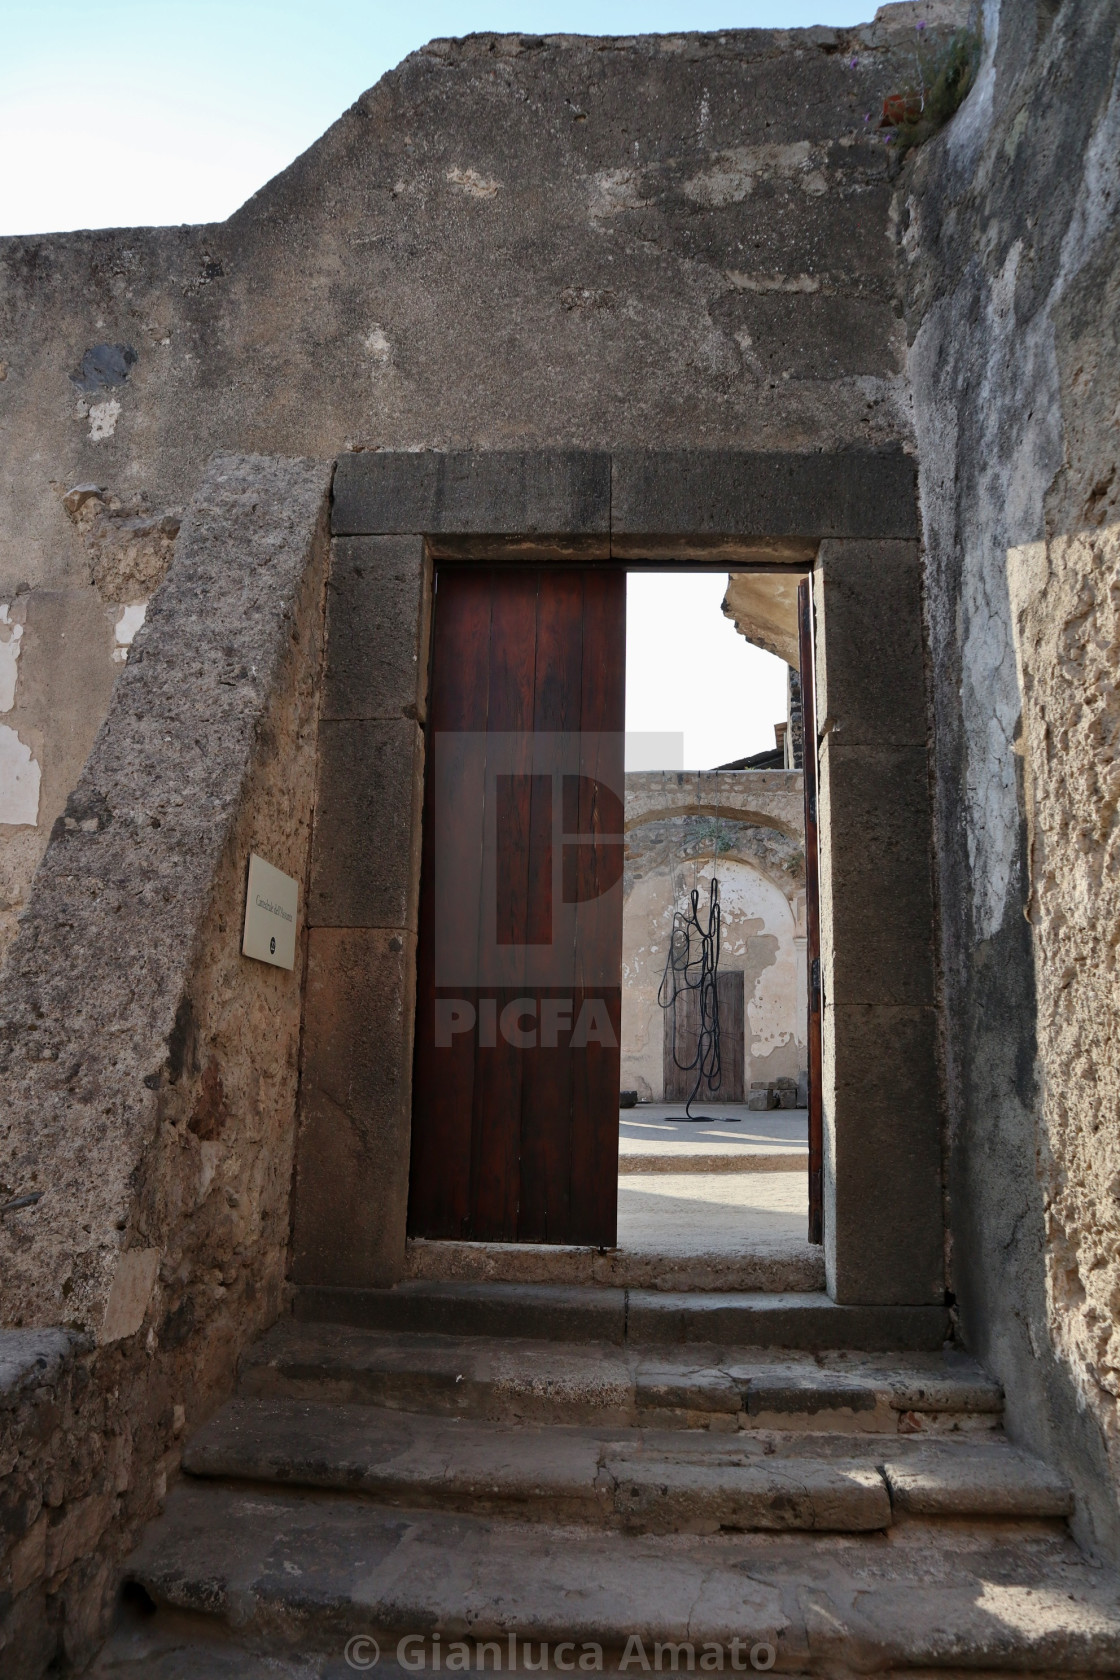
(510, 240)
(766, 798)
(90, 1029)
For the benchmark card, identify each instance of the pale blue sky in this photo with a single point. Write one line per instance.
(121, 113)
(115, 113)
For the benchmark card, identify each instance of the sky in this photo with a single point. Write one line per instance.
(118, 113)
(124, 113)
(688, 669)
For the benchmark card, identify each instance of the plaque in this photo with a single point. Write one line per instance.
(270, 915)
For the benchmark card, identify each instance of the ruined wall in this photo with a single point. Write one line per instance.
(149, 1072)
(675, 826)
(508, 241)
(1011, 243)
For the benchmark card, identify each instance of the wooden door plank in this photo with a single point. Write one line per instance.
(496, 1148)
(443, 1077)
(681, 1032)
(812, 908)
(596, 1068)
(732, 1030)
(544, 1214)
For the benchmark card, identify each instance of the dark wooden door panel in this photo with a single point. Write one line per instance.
(443, 1086)
(732, 1024)
(515, 1110)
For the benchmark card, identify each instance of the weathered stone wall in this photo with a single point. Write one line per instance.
(149, 1070)
(662, 241)
(674, 824)
(1010, 235)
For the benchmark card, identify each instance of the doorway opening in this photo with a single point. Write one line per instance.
(714, 1124)
(603, 746)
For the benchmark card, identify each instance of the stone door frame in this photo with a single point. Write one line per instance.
(850, 520)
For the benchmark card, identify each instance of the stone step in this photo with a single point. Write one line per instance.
(647, 1480)
(692, 1386)
(175, 1647)
(778, 1267)
(297, 1571)
(558, 1312)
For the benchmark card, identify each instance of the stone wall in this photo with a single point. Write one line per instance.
(509, 241)
(1010, 237)
(149, 1070)
(674, 824)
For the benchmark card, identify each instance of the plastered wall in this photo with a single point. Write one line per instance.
(510, 241)
(1011, 246)
(762, 895)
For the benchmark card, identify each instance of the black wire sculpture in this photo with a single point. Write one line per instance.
(692, 965)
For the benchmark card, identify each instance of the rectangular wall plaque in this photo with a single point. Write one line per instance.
(270, 915)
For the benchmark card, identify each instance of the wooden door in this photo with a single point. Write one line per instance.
(812, 908)
(515, 1086)
(678, 1081)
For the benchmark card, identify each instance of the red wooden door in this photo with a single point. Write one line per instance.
(515, 1086)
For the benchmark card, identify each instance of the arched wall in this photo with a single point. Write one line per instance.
(763, 938)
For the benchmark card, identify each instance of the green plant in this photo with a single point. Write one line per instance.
(945, 77)
(710, 831)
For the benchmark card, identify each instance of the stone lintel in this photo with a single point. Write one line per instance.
(731, 493)
(472, 492)
(696, 504)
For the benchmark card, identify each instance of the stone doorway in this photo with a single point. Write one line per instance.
(849, 519)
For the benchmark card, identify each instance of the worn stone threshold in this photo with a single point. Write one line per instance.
(803, 1319)
(778, 1267)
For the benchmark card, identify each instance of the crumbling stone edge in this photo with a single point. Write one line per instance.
(149, 1072)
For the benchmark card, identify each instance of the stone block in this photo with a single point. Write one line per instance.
(983, 1483)
(351, 1183)
(365, 853)
(133, 1282)
(77, 1530)
(853, 493)
(376, 654)
(663, 1497)
(870, 645)
(488, 492)
(804, 1320)
(876, 888)
(882, 1123)
(537, 1312)
(32, 1357)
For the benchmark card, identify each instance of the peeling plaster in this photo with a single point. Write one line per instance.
(9, 654)
(19, 781)
(132, 617)
(735, 172)
(103, 417)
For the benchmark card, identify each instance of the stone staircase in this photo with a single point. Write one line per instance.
(581, 1477)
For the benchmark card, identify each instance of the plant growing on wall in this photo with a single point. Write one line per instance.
(709, 831)
(945, 75)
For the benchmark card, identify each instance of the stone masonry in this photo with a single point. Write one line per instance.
(149, 1071)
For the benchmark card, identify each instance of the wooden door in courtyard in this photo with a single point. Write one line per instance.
(515, 1086)
(682, 1035)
